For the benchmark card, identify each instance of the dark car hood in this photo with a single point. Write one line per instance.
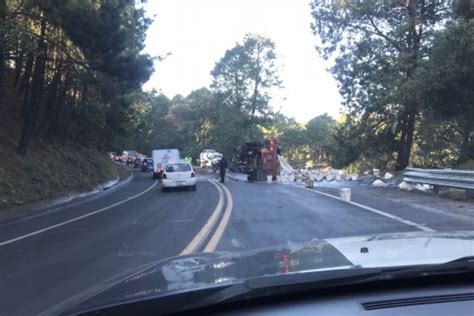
(201, 270)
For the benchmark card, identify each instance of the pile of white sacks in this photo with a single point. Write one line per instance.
(380, 182)
(288, 174)
(315, 175)
(409, 187)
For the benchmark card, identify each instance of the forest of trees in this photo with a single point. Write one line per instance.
(405, 70)
(406, 73)
(76, 65)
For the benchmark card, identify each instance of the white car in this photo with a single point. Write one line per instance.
(178, 174)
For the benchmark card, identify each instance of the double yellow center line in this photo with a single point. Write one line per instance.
(205, 231)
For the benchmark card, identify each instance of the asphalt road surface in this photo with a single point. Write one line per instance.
(48, 258)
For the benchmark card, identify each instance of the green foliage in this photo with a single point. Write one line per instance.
(292, 140)
(378, 47)
(447, 79)
(406, 79)
(52, 167)
(245, 76)
(437, 143)
(230, 129)
(222, 118)
(446, 83)
(192, 123)
(319, 131)
(78, 66)
(343, 148)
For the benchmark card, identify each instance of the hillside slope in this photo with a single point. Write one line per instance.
(50, 169)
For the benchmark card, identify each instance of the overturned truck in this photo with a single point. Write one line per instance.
(257, 159)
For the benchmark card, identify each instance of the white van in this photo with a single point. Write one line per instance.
(161, 157)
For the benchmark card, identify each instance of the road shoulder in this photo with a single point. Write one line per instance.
(438, 212)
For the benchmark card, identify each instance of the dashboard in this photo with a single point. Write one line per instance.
(430, 301)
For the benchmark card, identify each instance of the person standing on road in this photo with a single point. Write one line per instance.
(223, 164)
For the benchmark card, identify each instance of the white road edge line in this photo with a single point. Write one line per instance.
(77, 218)
(206, 229)
(368, 208)
(212, 245)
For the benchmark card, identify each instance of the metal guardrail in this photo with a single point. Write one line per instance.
(459, 179)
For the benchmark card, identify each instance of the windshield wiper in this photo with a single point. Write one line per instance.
(287, 283)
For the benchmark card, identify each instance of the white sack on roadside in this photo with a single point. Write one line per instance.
(388, 176)
(378, 183)
(423, 187)
(420, 187)
(318, 177)
(405, 186)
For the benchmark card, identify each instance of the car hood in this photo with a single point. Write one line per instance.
(201, 270)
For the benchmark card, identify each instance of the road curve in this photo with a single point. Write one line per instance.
(46, 268)
(144, 224)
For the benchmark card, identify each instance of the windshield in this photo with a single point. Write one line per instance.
(178, 167)
(222, 140)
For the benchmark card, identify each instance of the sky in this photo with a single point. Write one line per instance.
(197, 33)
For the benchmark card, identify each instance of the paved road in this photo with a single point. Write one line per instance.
(47, 268)
(281, 214)
(49, 258)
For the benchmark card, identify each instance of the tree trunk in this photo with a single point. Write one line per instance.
(413, 40)
(51, 99)
(2, 70)
(3, 14)
(24, 87)
(467, 146)
(24, 84)
(32, 110)
(404, 127)
(54, 124)
(254, 109)
(257, 79)
(18, 67)
(406, 141)
(253, 126)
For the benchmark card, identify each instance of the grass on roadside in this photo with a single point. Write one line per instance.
(50, 170)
